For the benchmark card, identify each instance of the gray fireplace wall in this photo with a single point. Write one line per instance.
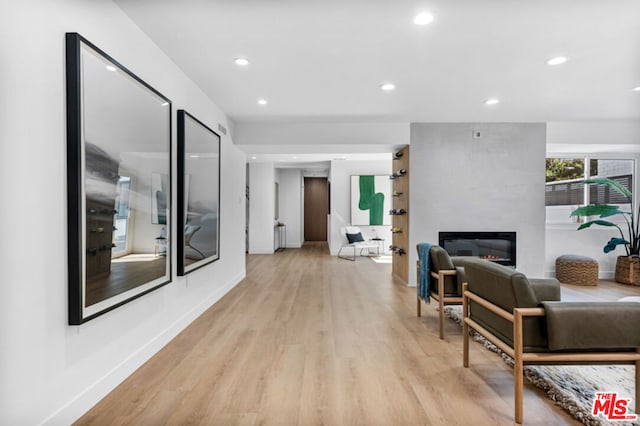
(494, 182)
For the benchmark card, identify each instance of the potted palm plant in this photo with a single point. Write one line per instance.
(627, 267)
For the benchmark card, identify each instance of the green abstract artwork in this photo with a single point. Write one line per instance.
(370, 200)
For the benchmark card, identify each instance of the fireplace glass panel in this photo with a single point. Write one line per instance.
(498, 247)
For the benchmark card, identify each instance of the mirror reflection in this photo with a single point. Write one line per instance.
(126, 147)
(200, 181)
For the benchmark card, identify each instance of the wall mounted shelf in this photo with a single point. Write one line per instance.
(399, 215)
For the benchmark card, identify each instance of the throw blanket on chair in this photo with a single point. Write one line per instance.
(424, 271)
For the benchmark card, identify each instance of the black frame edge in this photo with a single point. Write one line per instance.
(180, 219)
(74, 177)
(73, 42)
(182, 114)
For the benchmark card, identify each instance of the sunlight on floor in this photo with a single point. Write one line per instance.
(142, 257)
(385, 258)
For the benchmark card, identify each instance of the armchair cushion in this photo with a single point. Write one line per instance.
(503, 286)
(441, 261)
(592, 325)
(355, 238)
(545, 289)
(509, 289)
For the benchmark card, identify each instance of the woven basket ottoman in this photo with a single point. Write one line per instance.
(578, 270)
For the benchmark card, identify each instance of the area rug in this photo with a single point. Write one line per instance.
(572, 387)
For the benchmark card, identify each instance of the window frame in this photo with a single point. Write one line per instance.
(587, 156)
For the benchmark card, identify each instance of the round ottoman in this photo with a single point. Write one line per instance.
(578, 270)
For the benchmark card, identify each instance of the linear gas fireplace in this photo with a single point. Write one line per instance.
(498, 247)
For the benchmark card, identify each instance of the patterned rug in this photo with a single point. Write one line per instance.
(572, 387)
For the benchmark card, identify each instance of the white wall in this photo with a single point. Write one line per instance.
(340, 178)
(259, 133)
(262, 178)
(594, 132)
(495, 183)
(565, 239)
(291, 187)
(51, 372)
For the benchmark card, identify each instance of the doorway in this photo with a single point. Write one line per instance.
(316, 208)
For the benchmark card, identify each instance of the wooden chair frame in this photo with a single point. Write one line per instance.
(522, 358)
(442, 301)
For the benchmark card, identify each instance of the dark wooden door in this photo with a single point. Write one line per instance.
(316, 205)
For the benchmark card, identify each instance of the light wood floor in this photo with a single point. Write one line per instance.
(311, 339)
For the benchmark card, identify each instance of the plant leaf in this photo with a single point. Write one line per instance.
(613, 213)
(602, 210)
(595, 222)
(619, 188)
(613, 242)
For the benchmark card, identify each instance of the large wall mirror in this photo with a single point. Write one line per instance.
(199, 194)
(119, 183)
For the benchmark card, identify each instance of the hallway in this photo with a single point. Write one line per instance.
(308, 339)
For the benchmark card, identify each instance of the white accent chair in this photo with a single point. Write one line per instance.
(359, 245)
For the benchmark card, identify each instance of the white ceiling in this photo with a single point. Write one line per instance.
(324, 60)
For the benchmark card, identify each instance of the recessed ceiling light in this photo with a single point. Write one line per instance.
(557, 60)
(262, 102)
(254, 157)
(424, 18)
(492, 101)
(164, 104)
(242, 62)
(387, 87)
(636, 89)
(295, 158)
(111, 68)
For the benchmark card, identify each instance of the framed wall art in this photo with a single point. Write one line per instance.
(370, 200)
(198, 194)
(119, 166)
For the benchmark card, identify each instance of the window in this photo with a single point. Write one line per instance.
(565, 191)
(564, 178)
(121, 230)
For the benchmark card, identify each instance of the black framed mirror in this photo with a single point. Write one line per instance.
(198, 194)
(118, 183)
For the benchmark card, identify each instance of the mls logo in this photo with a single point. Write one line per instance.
(612, 407)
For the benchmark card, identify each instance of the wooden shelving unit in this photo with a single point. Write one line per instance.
(400, 223)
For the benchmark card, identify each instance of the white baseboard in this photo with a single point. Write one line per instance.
(80, 404)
